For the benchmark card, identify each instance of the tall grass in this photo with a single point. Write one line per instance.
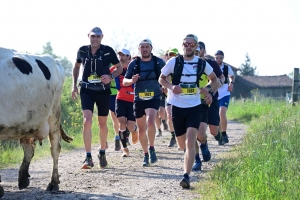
(11, 152)
(267, 164)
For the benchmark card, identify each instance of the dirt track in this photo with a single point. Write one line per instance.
(125, 178)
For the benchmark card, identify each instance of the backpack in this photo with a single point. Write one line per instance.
(225, 73)
(176, 76)
(137, 68)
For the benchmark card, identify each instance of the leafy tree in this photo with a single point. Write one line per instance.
(64, 61)
(246, 68)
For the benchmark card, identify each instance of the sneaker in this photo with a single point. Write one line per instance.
(134, 137)
(102, 160)
(159, 134)
(220, 141)
(185, 182)
(153, 157)
(197, 166)
(165, 125)
(205, 153)
(117, 145)
(225, 139)
(125, 152)
(172, 142)
(146, 161)
(87, 163)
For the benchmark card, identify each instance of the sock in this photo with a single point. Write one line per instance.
(218, 136)
(102, 152)
(88, 154)
(173, 134)
(223, 133)
(122, 134)
(151, 148)
(197, 157)
(117, 137)
(163, 121)
(186, 175)
(184, 150)
(203, 145)
(146, 154)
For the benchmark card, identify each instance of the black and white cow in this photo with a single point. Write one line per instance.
(30, 101)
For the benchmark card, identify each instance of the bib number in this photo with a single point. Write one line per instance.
(188, 90)
(94, 78)
(146, 95)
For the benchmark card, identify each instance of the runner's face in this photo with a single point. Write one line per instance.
(219, 59)
(202, 51)
(145, 50)
(189, 47)
(95, 40)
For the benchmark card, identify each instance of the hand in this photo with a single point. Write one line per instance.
(105, 79)
(204, 91)
(230, 87)
(74, 93)
(135, 78)
(208, 99)
(176, 89)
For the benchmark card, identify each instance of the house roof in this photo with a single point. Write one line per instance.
(268, 81)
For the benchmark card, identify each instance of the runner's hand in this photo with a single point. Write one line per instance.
(106, 79)
(204, 91)
(74, 93)
(135, 78)
(208, 99)
(230, 87)
(176, 89)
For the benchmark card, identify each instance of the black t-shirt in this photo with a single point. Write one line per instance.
(217, 71)
(99, 63)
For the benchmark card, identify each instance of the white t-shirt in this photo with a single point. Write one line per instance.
(190, 95)
(223, 90)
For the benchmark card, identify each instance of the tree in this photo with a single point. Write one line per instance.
(246, 69)
(67, 65)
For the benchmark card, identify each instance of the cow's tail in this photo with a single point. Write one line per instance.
(64, 136)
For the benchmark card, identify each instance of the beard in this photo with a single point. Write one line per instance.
(190, 54)
(146, 55)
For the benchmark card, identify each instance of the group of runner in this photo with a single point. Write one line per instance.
(139, 92)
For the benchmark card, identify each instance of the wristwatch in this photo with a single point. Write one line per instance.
(112, 76)
(209, 88)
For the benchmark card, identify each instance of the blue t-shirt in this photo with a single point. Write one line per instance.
(147, 86)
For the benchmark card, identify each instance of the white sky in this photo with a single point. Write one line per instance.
(269, 30)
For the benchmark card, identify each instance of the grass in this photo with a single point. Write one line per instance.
(267, 164)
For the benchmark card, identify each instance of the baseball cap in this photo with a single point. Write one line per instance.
(125, 52)
(146, 41)
(174, 50)
(219, 52)
(95, 31)
(201, 44)
(191, 36)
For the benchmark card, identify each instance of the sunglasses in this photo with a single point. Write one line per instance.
(95, 36)
(187, 44)
(219, 57)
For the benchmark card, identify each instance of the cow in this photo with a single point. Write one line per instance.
(30, 106)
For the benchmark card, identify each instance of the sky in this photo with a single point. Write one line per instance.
(268, 30)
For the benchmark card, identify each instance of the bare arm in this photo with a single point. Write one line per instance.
(230, 86)
(75, 77)
(176, 89)
(127, 81)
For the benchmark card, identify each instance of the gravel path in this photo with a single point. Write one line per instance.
(124, 178)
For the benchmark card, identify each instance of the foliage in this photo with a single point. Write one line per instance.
(246, 69)
(67, 65)
(266, 165)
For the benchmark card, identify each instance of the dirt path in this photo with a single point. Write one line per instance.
(123, 179)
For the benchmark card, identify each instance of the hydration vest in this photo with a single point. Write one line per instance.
(137, 68)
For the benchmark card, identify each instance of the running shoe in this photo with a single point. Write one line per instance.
(159, 134)
(225, 139)
(125, 152)
(153, 157)
(87, 163)
(172, 142)
(102, 160)
(117, 145)
(185, 182)
(205, 153)
(146, 161)
(127, 142)
(165, 125)
(197, 165)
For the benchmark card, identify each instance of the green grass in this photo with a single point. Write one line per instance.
(12, 152)
(267, 164)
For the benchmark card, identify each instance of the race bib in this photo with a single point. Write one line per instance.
(94, 78)
(146, 95)
(188, 90)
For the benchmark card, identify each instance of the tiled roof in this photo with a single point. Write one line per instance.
(268, 81)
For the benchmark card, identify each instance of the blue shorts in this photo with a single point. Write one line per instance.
(224, 101)
(112, 106)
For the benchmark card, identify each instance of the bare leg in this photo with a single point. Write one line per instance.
(87, 129)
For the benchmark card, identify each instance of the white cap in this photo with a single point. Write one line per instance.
(146, 41)
(125, 52)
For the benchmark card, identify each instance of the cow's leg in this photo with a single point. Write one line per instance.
(1, 189)
(28, 148)
(54, 137)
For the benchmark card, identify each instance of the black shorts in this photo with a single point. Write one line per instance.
(124, 109)
(112, 106)
(204, 114)
(89, 98)
(139, 107)
(213, 113)
(184, 118)
(162, 103)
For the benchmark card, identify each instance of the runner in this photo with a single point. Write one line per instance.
(93, 62)
(185, 98)
(124, 105)
(144, 72)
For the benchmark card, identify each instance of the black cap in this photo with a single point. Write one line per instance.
(219, 52)
(201, 44)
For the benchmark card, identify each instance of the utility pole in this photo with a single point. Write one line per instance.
(295, 86)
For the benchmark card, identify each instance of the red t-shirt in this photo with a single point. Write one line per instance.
(125, 93)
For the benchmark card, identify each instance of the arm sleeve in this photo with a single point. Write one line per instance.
(230, 72)
(79, 56)
(114, 59)
(169, 67)
(215, 67)
(208, 69)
